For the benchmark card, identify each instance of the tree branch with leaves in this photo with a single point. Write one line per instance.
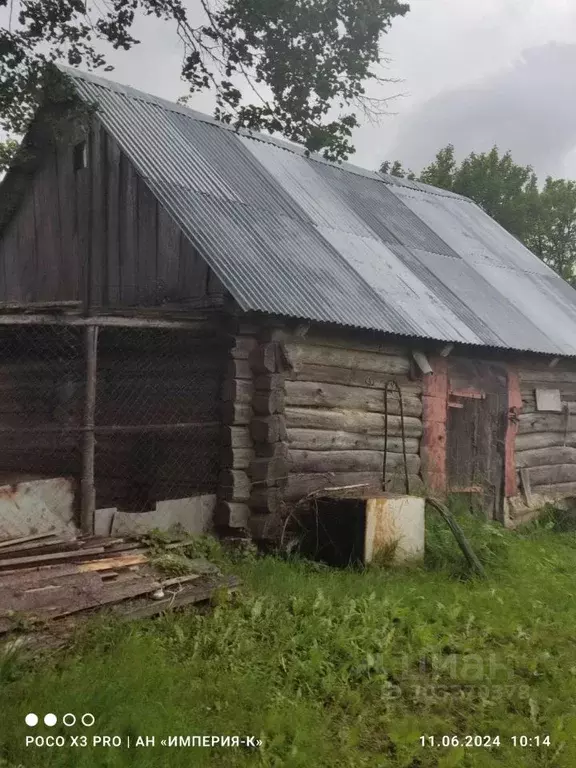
(314, 58)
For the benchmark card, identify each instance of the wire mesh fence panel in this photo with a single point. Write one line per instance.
(157, 417)
(41, 402)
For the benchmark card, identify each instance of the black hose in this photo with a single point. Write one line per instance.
(393, 386)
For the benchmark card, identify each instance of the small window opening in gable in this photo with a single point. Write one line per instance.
(80, 156)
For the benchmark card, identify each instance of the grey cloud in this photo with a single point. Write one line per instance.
(529, 108)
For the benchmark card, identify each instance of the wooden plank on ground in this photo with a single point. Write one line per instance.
(123, 561)
(25, 539)
(52, 558)
(34, 550)
(83, 595)
(194, 593)
(50, 599)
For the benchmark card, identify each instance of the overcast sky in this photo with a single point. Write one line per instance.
(468, 74)
(466, 79)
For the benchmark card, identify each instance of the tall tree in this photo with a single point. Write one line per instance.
(494, 181)
(8, 149)
(442, 171)
(313, 58)
(395, 169)
(552, 233)
(544, 219)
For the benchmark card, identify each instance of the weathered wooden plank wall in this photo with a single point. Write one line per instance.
(106, 215)
(476, 430)
(308, 413)
(334, 411)
(546, 441)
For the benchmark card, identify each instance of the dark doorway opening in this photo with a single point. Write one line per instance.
(333, 532)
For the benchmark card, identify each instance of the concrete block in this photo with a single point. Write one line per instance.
(195, 515)
(395, 524)
(103, 521)
(37, 506)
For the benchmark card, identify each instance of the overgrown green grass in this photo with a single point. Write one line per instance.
(331, 668)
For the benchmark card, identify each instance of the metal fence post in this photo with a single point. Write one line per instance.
(89, 442)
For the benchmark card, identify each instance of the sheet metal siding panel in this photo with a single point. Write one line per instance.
(305, 183)
(299, 236)
(454, 284)
(473, 298)
(389, 219)
(396, 181)
(250, 181)
(471, 232)
(422, 312)
(526, 294)
(265, 248)
(561, 291)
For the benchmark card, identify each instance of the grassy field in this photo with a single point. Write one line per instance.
(330, 668)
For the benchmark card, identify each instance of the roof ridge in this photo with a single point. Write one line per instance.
(275, 230)
(136, 93)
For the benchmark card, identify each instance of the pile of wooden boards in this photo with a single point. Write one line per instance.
(45, 577)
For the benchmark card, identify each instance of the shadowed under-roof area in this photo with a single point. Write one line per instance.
(301, 237)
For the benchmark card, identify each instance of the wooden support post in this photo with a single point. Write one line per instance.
(526, 486)
(512, 426)
(89, 440)
(433, 448)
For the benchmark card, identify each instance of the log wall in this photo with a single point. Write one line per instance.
(315, 408)
(334, 414)
(269, 469)
(302, 414)
(546, 441)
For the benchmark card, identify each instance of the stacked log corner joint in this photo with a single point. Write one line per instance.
(269, 363)
(234, 486)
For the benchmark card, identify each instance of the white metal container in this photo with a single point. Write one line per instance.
(394, 529)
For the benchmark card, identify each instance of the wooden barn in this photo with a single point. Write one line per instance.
(188, 310)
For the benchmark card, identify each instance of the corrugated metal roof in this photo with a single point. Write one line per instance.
(298, 236)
